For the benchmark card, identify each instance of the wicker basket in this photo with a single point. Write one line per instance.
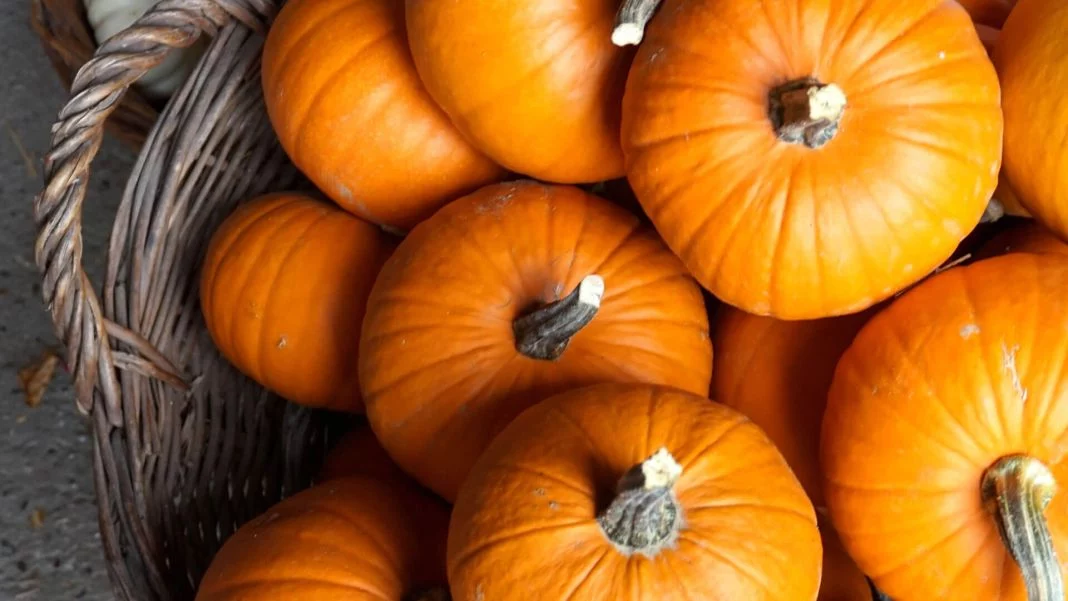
(68, 41)
(185, 448)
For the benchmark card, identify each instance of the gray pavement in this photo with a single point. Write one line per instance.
(49, 545)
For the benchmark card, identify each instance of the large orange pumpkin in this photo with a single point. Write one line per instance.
(627, 492)
(946, 433)
(507, 296)
(283, 290)
(536, 84)
(808, 158)
(344, 97)
(352, 539)
(777, 373)
(359, 453)
(1032, 62)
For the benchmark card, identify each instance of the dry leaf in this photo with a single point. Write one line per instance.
(34, 378)
(37, 518)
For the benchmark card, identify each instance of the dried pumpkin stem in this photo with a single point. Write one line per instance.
(436, 593)
(645, 516)
(631, 20)
(1016, 490)
(544, 334)
(806, 112)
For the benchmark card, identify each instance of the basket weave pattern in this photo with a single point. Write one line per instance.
(185, 448)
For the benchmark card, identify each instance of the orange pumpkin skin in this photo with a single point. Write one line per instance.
(535, 84)
(346, 102)
(959, 372)
(1028, 238)
(796, 229)
(439, 368)
(352, 539)
(842, 580)
(359, 453)
(1008, 199)
(530, 504)
(283, 290)
(1033, 67)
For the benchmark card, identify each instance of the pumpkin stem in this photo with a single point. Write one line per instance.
(645, 516)
(994, 211)
(806, 112)
(545, 333)
(1016, 490)
(435, 593)
(631, 20)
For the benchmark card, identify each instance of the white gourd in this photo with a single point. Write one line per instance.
(108, 17)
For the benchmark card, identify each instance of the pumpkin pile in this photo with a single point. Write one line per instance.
(535, 220)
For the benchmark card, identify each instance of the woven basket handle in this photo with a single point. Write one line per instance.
(96, 91)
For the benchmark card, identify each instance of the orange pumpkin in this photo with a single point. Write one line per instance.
(811, 158)
(991, 13)
(536, 84)
(944, 436)
(507, 296)
(352, 539)
(359, 453)
(1033, 64)
(344, 97)
(777, 373)
(1028, 237)
(623, 491)
(283, 290)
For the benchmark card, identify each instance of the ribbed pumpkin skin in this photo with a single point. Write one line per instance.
(283, 290)
(794, 232)
(777, 374)
(439, 369)
(536, 84)
(1032, 61)
(962, 370)
(1027, 238)
(524, 524)
(359, 453)
(352, 539)
(346, 102)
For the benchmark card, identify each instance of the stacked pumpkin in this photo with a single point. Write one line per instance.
(527, 334)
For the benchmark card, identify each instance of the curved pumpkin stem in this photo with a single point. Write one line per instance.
(1016, 490)
(631, 20)
(806, 112)
(645, 516)
(545, 333)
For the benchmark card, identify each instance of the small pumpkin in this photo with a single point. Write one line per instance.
(943, 439)
(535, 84)
(1033, 65)
(359, 453)
(777, 373)
(283, 289)
(350, 539)
(346, 102)
(1027, 237)
(625, 491)
(507, 296)
(811, 158)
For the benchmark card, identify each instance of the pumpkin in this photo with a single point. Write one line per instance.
(811, 158)
(1028, 237)
(629, 491)
(1033, 65)
(507, 296)
(536, 84)
(346, 102)
(777, 373)
(943, 438)
(351, 539)
(991, 13)
(283, 290)
(358, 453)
